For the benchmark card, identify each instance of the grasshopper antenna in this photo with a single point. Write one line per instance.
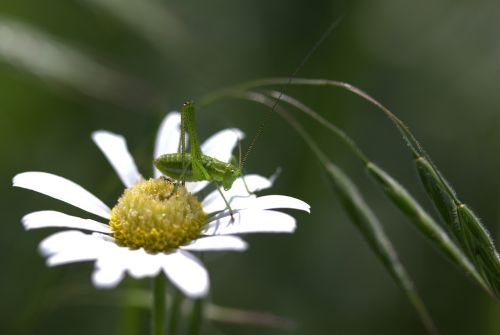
(241, 166)
(239, 154)
(315, 47)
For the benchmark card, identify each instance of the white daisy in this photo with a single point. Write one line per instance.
(149, 230)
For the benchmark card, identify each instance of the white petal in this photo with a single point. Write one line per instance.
(221, 144)
(167, 139)
(272, 202)
(196, 186)
(62, 189)
(72, 246)
(110, 266)
(114, 147)
(74, 256)
(187, 273)
(60, 241)
(140, 264)
(267, 202)
(44, 219)
(275, 175)
(107, 277)
(254, 183)
(213, 202)
(214, 243)
(252, 221)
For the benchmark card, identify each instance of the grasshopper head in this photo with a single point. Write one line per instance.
(230, 176)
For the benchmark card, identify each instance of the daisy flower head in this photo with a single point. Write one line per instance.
(156, 224)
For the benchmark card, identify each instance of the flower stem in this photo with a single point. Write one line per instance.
(174, 311)
(159, 305)
(196, 318)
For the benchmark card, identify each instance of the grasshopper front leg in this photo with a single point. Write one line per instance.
(198, 168)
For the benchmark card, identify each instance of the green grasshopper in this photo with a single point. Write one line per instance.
(195, 166)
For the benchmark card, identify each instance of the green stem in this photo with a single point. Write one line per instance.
(175, 310)
(194, 326)
(159, 305)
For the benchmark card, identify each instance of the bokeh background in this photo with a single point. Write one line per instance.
(70, 67)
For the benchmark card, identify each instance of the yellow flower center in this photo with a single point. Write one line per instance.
(156, 215)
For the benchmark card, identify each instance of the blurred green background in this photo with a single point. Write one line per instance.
(70, 67)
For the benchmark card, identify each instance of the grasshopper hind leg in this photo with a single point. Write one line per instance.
(201, 170)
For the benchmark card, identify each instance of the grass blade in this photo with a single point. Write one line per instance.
(38, 53)
(150, 18)
(359, 212)
(467, 229)
(465, 226)
(366, 221)
(442, 195)
(397, 194)
(478, 242)
(424, 222)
